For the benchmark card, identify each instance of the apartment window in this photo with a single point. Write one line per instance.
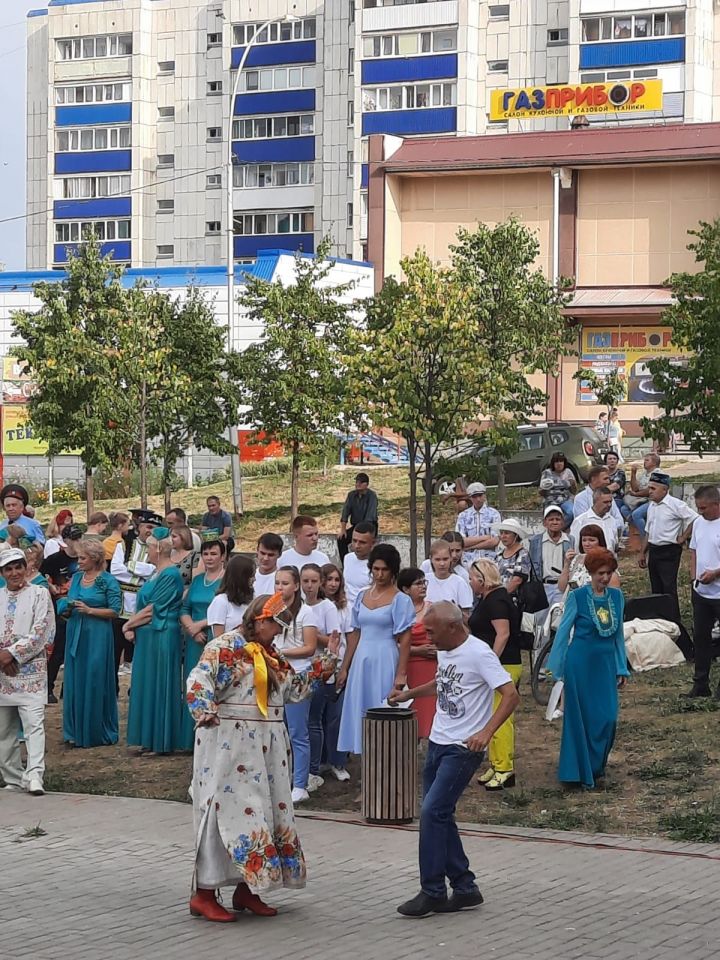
(214, 133)
(166, 206)
(93, 93)
(273, 174)
(214, 88)
(350, 163)
(260, 224)
(409, 97)
(212, 227)
(557, 38)
(87, 188)
(166, 160)
(409, 44)
(165, 251)
(166, 68)
(93, 138)
(633, 26)
(351, 59)
(213, 181)
(603, 76)
(78, 231)
(94, 48)
(166, 113)
(499, 11)
(497, 66)
(214, 40)
(278, 78)
(351, 113)
(276, 32)
(270, 128)
(349, 214)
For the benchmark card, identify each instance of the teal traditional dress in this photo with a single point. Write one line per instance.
(90, 714)
(195, 605)
(588, 654)
(156, 692)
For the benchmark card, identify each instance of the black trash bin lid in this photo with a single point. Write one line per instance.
(389, 713)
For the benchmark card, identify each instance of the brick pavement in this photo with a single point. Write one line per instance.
(111, 879)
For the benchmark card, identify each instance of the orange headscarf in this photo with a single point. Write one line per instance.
(272, 608)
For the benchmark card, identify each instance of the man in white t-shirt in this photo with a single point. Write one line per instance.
(600, 516)
(705, 573)
(356, 572)
(267, 556)
(468, 675)
(305, 531)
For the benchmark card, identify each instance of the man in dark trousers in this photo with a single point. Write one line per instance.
(361, 504)
(59, 568)
(705, 573)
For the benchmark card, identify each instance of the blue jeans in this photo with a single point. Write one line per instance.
(567, 509)
(637, 518)
(448, 770)
(624, 509)
(296, 717)
(325, 713)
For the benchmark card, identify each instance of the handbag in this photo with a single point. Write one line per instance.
(532, 594)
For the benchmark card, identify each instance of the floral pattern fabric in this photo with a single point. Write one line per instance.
(27, 628)
(242, 766)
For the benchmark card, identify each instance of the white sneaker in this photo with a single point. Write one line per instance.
(340, 773)
(299, 795)
(14, 787)
(35, 787)
(314, 781)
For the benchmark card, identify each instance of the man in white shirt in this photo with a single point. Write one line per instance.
(705, 573)
(305, 531)
(600, 514)
(668, 526)
(475, 524)
(598, 477)
(356, 572)
(268, 552)
(468, 675)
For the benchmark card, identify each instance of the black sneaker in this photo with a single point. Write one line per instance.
(461, 901)
(422, 906)
(695, 691)
(52, 698)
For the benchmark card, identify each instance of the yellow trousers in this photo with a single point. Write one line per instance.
(501, 752)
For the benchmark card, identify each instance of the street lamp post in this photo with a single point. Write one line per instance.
(230, 214)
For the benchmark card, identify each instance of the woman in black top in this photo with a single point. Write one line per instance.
(496, 620)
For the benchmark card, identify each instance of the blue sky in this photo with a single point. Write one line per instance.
(12, 141)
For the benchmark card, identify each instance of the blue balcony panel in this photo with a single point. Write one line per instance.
(277, 101)
(251, 246)
(364, 176)
(400, 122)
(282, 150)
(94, 161)
(92, 114)
(275, 54)
(404, 69)
(632, 53)
(120, 250)
(100, 207)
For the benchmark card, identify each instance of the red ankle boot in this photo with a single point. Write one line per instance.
(243, 899)
(204, 904)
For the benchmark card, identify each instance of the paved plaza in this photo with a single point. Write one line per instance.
(110, 879)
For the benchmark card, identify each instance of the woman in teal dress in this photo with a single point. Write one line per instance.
(193, 619)
(156, 691)
(589, 656)
(90, 714)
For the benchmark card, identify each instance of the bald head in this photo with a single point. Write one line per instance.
(444, 625)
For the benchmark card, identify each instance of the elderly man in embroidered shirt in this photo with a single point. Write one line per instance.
(475, 524)
(27, 628)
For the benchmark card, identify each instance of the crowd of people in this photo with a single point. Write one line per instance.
(236, 658)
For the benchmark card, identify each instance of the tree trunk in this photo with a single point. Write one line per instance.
(295, 480)
(89, 491)
(411, 448)
(143, 452)
(501, 488)
(168, 498)
(427, 457)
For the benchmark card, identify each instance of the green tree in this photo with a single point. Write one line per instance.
(70, 345)
(412, 368)
(691, 399)
(518, 327)
(293, 380)
(609, 388)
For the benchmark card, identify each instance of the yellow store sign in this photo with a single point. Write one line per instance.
(576, 100)
(18, 437)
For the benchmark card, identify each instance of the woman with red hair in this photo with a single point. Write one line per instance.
(589, 656)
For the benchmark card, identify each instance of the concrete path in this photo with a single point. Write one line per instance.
(110, 879)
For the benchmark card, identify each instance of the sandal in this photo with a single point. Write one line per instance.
(501, 781)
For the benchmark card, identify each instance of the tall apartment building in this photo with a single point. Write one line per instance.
(129, 103)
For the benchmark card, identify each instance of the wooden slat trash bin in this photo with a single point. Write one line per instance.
(389, 765)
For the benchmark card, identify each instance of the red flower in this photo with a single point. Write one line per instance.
(282, 806)
(270, 851)
(254, 863)
(227, 657)
(249, 811)
(241, 769)
(288, 850)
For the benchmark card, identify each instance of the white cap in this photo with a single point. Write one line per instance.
(553, 508)
(11, 556)
(476, 488)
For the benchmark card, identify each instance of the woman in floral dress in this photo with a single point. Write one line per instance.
(244, 823)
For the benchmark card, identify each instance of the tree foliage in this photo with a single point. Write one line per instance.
(293, 381)
(691, 399)
(609, 388)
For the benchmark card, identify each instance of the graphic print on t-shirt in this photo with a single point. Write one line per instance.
(449, 689)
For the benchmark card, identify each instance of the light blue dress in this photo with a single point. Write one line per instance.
(195, 605)
(90, 714)
(589, 664)
(373, 668)
(156, 692)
